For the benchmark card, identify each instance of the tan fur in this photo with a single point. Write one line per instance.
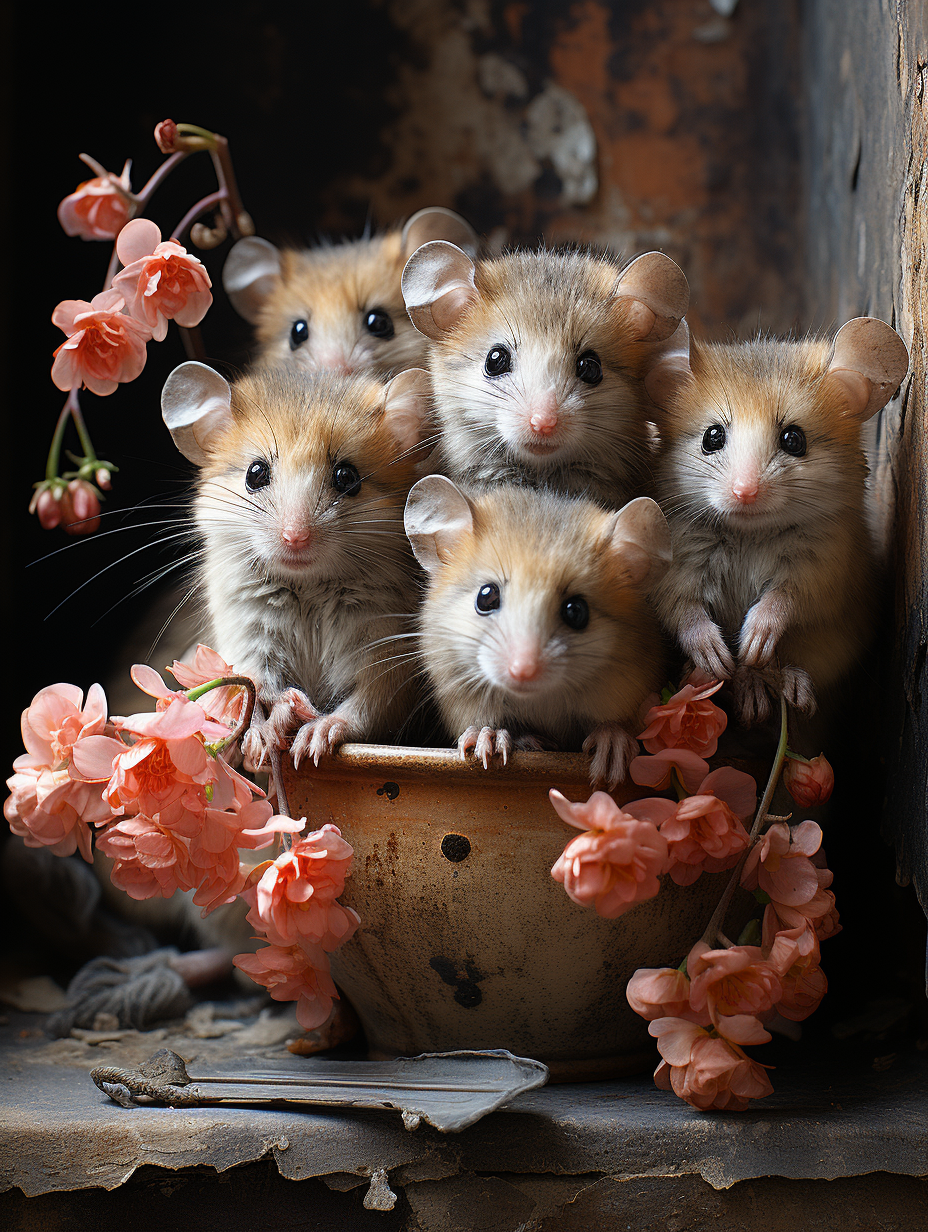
(548, 308)
(312, 627)
(332, 287)
(541, 549)
(756, 597)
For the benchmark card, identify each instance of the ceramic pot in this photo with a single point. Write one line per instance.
(466, 941)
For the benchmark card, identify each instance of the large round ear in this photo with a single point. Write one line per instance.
(196, 405)
(250, 273)
(640, 542)
(438, 287)
(407, 407)
(438, 517)
(868, 363)
(658, 295)
(667, 367)
(437, 223)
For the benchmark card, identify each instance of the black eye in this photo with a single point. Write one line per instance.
(590, 368)
(345, 479)
(258, 475)
(487, 598)
(498, 362)
(298, 334)
(793, 441)
(713, 439)
(379, 323)
(575, 612)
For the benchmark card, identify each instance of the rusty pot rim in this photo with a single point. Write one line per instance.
(446, 765)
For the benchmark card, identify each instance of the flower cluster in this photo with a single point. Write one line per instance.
(156, 793)
(720, 1000)
(106, 338)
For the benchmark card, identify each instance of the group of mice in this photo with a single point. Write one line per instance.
(588, 491)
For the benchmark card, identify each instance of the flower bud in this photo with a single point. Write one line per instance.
(166, 136)
(809, 782)
(80, 508)
(46, 505)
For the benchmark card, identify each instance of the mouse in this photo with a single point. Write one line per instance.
(337, 306)
(762, 475)
(305, 571)
(538, 359)
(535, 630)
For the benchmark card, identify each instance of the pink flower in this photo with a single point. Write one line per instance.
(662, 992)
(150, 682)
(655, 771)
(224, 703)
(150, 861)
(161, 281)
(99, 208)
(46, 505)
(737, 987)
(80, 508)
(57, 718)
(794, 953)
(293, 898)
(688, 720)
(780, 864)
(705, 833)
(166, 136)
(294, 973)
(46, 808)
(167, 764)
(616, 863)
(104, 345)
(809, 782)
(706, 1070)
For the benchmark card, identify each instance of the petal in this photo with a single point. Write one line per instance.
(136, 240)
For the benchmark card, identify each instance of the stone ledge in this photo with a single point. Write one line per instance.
(59, 1133)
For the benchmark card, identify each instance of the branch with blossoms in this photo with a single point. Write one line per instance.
(723, 995)
(157, 794)
(160, 281)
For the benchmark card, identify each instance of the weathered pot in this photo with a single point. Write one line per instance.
(466, 941)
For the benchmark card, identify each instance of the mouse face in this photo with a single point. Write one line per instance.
(760, 438)
(539, 355)
(535, 601)
(302, 478)
(337, 307)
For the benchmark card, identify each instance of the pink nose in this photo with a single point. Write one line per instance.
(524, 666)
(745, 491)
(296, 536)
(543, 423)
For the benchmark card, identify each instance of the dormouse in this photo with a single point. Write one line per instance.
(305, 569)
(336, 306)
(538, 360)
(762, 477)
(535, 628)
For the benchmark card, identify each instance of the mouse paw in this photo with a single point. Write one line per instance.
(763, 627)
(319, 736)
(705, 647)
(485, 743)
(751, 698)
(611, 749)
(797, 689)
(254, 750)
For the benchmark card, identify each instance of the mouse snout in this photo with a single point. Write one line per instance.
(296, 534)
(745, 487)
(524, 663)
(335, 361)
(543, 414)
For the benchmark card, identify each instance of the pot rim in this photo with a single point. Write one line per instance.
(446, 764)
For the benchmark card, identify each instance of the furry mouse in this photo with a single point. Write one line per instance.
(336, 306)
(305, 570)
(535, 626)
(538, 360)
(762, 477)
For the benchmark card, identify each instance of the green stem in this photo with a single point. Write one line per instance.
(244, 682)
(53, 464)
(90, 454)
(718, 916)
(678, 787)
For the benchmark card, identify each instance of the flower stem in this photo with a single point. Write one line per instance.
(718, 916)
(53, 464)
(244, 722)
